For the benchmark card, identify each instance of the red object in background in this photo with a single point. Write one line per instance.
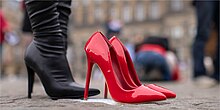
(126, 63)
(153, 47)
(3, 27)
(176, 73)
(100, 51)
(22, 5)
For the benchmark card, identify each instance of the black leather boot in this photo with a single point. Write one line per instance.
(46, 55)
(64, 12)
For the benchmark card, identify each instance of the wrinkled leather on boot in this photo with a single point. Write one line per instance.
(64, 10)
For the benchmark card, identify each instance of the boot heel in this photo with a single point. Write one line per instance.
(30, 80)
(88, 76)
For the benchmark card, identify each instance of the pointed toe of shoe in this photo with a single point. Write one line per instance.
(77, 90)
(169, 94)
(144, 94)
(160, 96)
(166, 92)
(156, 96)
(93, 92)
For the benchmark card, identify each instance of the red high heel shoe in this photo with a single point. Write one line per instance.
(100, 51)
(128, 67)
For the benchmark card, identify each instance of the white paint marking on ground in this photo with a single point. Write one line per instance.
(106, 101)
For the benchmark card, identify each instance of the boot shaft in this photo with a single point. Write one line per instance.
(64, 12)
(44, 18)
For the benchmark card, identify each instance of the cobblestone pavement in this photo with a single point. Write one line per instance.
(189, 97)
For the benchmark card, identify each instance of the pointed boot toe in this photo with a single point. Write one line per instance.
(93, 92)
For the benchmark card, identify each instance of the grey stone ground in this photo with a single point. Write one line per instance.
(189, 97)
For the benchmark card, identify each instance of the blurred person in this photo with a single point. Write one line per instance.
(113, 27)
(46, 54)
(26, 25)
(11, 40)
(3, 29)
(155, 61)
(9, 52)
(207, 13)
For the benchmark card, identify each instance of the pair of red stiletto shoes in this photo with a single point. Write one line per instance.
(121, 78)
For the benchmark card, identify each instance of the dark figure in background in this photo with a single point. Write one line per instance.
(46, 54)
(207, 14)
(151, 57)
(113, 28)
(26, 26)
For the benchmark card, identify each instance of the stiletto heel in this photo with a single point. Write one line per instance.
(128, 67)
(88, 76)
(100, 51)
(30, 80)
(106, 91)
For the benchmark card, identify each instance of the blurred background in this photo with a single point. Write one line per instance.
(133, 21)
